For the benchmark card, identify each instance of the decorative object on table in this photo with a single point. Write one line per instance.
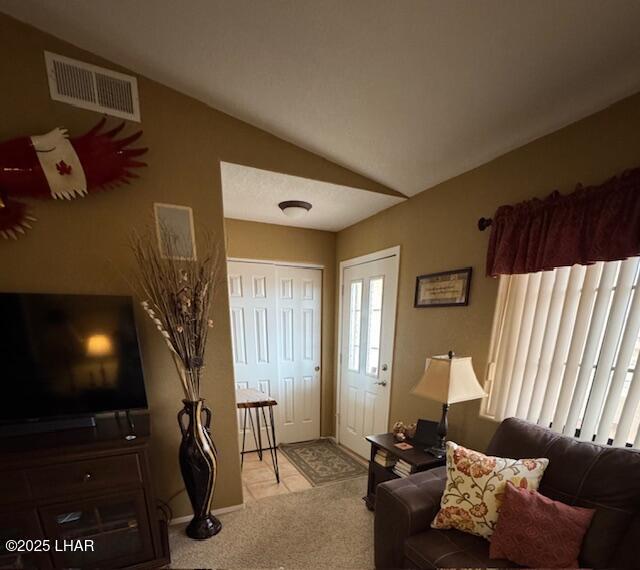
(398, 431)
(322, 461)
(178, 221)
(445, 289)
(56, 167)
(399, 435)
(475, 488)
(177, 297)
(538, 532)
(391, 460)
(248, 399)
(402, 432)
(448, 379)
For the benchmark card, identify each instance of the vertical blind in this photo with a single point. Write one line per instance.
(564, 350)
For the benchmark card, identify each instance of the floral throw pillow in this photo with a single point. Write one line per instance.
(476, 486)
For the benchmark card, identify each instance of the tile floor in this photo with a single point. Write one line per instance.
(259, 480)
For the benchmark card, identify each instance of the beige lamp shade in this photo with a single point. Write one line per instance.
(449, 380)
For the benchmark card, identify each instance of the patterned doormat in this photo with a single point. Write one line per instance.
(322, 461)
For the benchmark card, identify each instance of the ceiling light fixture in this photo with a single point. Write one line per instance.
(294, 208)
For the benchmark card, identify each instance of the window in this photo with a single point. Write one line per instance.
(355, 315)
(564, 350)
(376, 285)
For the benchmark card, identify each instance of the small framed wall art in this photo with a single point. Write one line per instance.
(446, 289)
(174, 227)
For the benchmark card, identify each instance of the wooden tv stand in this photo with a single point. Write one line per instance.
(83, 496)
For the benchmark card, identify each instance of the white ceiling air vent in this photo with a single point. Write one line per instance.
(91, 87)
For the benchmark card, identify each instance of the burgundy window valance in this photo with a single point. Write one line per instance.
(594, 223)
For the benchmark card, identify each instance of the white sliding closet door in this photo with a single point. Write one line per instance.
(276, 335)
(299, 316)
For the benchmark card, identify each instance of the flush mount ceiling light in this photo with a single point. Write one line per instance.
(294, 208)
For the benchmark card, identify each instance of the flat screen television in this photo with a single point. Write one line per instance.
(68, 355)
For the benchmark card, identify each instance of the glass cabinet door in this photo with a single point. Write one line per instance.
(21, 525)
(108, 531)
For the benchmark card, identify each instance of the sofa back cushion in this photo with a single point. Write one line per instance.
(581, 474)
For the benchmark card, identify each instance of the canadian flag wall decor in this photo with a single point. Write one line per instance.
(55, 167)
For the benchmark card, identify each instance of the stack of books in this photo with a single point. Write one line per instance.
(383, 458)
(402, 468)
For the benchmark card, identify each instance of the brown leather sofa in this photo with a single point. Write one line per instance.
(579, 473)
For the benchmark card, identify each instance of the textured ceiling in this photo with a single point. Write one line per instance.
(407, 93)
(254, 194)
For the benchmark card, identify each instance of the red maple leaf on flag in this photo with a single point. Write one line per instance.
(63, 168)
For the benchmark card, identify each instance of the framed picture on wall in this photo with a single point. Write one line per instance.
(446, 289)
(175, 230)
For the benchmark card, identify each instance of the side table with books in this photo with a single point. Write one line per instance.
(389, 460)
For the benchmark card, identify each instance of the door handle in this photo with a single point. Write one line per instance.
(381, 383)
(317, 369)
(384, 367)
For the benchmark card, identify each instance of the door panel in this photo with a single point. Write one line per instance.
(299, 337)
(275, 330)
(368, 324)
(252, 300)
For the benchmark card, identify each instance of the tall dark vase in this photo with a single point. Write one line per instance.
(199, 466)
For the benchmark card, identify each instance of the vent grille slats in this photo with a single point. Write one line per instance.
(114, 93)
(91, 87)
(74, 82)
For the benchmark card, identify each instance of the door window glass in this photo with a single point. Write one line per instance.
(376, 285)
(355, 317)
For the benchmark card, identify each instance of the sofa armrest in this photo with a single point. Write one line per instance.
(404, 507)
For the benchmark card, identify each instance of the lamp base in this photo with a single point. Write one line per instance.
(440, 450)
(437, 452)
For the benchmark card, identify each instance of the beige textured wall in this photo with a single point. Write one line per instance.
(437, 231)
(253, 240)
(81, 246)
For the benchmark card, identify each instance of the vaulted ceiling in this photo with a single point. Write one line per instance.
(407, 93)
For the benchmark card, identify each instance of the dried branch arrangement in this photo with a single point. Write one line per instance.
(177, 295)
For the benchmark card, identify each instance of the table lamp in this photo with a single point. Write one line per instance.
(448, 379)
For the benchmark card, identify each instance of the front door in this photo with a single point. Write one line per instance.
(275, 331)
(368, 324)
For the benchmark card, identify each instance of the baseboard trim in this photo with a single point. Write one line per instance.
(222, 511)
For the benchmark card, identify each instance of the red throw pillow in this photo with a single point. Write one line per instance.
(532, 530)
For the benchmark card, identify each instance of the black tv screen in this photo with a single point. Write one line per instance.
(68, 355)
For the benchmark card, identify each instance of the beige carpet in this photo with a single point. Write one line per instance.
(324, 527)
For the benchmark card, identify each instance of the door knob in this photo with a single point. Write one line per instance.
(382, 383)
(317, 369)
(384, 367)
